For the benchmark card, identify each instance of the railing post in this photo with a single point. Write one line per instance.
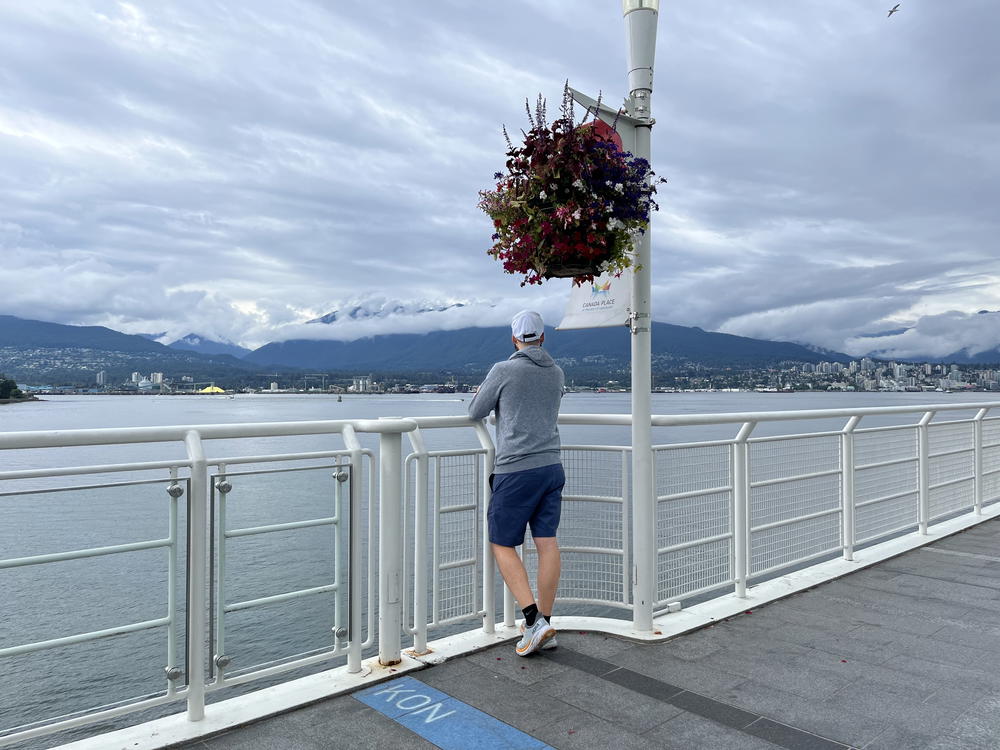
(354, 563)
(978, 436)
(489, 564)
(741, 515)
(197, 563)
(924, 469)
(847, 485)
(420, 543)
(390, 548)
(644, 552)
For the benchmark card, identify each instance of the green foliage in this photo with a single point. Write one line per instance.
(8, 388)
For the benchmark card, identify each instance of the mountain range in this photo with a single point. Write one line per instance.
(42, 350)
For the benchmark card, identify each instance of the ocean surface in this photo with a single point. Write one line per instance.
(38, 516)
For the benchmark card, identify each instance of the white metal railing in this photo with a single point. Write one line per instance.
(727, 513)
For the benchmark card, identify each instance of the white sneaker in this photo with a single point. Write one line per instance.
(535, 637)
(549, 643)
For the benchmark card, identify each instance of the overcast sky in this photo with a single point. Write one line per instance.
(236, 168)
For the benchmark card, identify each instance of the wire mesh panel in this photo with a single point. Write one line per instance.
(991, 473)
(793, 499)
(952, 497)
(877, 446)
(457, 536)
(794, 456)
(884, 516)
(691, 468)
(951, 467)
(991, 431)
(693, 509)
(593, 473)
(682, 572)
(951, 437)
(875, 482)
(593, 529)
(794, 542)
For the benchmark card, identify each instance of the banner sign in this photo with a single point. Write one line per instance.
(601, 304)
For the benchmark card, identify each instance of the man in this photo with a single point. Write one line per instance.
(528, 478)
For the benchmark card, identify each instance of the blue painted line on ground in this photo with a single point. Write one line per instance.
(442, 720)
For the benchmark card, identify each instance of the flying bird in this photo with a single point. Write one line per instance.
(895, 9)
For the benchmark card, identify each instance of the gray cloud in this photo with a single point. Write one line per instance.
(235, 169)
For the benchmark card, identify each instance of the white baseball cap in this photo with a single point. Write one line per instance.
(527, 325)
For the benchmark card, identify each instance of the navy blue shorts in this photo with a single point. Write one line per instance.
(532, 497)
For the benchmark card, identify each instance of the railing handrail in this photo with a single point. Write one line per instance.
(685, 420)
(117, 435)
(236, 430)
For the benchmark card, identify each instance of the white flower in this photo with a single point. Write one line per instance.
(578, 184)
(619, 187)
(542, 195)
(576, 214)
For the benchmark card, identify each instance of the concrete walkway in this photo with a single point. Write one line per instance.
(900, 656)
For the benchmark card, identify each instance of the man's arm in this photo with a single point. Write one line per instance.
(486, 397)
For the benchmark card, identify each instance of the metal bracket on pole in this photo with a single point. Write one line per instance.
(632, 322)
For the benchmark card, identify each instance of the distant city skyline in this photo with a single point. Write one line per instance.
(234, 170)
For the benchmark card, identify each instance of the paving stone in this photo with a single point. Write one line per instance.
(975, 635)
(790, 673)
(980, 615)
(786, 736)
(849, 612)
(595, 644)
(944, 590)
(973, 679)
(907, 707)
(626, 708)
(689, 731)
(588, 732)
(980, 724)
(449, 673)
(948, 742)
(524, 669)
(695, 676)
(898, 738)
(849, 727)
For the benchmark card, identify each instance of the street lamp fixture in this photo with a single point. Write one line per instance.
(640, 37)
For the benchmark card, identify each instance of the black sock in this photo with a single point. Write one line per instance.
(548, 619)
(530, 613)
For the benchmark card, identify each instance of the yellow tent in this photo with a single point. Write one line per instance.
(211, 389)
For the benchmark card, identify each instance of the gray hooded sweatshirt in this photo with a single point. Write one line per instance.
(524, 391)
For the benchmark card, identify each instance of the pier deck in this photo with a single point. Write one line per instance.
(899, 656)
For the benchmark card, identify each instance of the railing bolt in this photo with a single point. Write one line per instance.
(173, 673)
(340, 632)
(223, 486)
(175, 491)
(222, 661)
(341, 476)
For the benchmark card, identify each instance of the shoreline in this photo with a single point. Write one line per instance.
(19, 400)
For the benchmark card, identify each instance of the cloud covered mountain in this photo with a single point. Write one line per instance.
(474, 349)
(950, 337)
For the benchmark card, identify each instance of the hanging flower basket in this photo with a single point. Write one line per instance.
(570, 202)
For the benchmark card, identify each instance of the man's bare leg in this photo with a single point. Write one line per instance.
(549, 567)
(514, 574)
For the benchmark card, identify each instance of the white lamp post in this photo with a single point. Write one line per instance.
(634, 128)
(640, 33)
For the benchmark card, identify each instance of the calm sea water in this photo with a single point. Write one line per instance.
(55, 600)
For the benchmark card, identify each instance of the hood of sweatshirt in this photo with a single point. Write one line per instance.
(536, 354)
